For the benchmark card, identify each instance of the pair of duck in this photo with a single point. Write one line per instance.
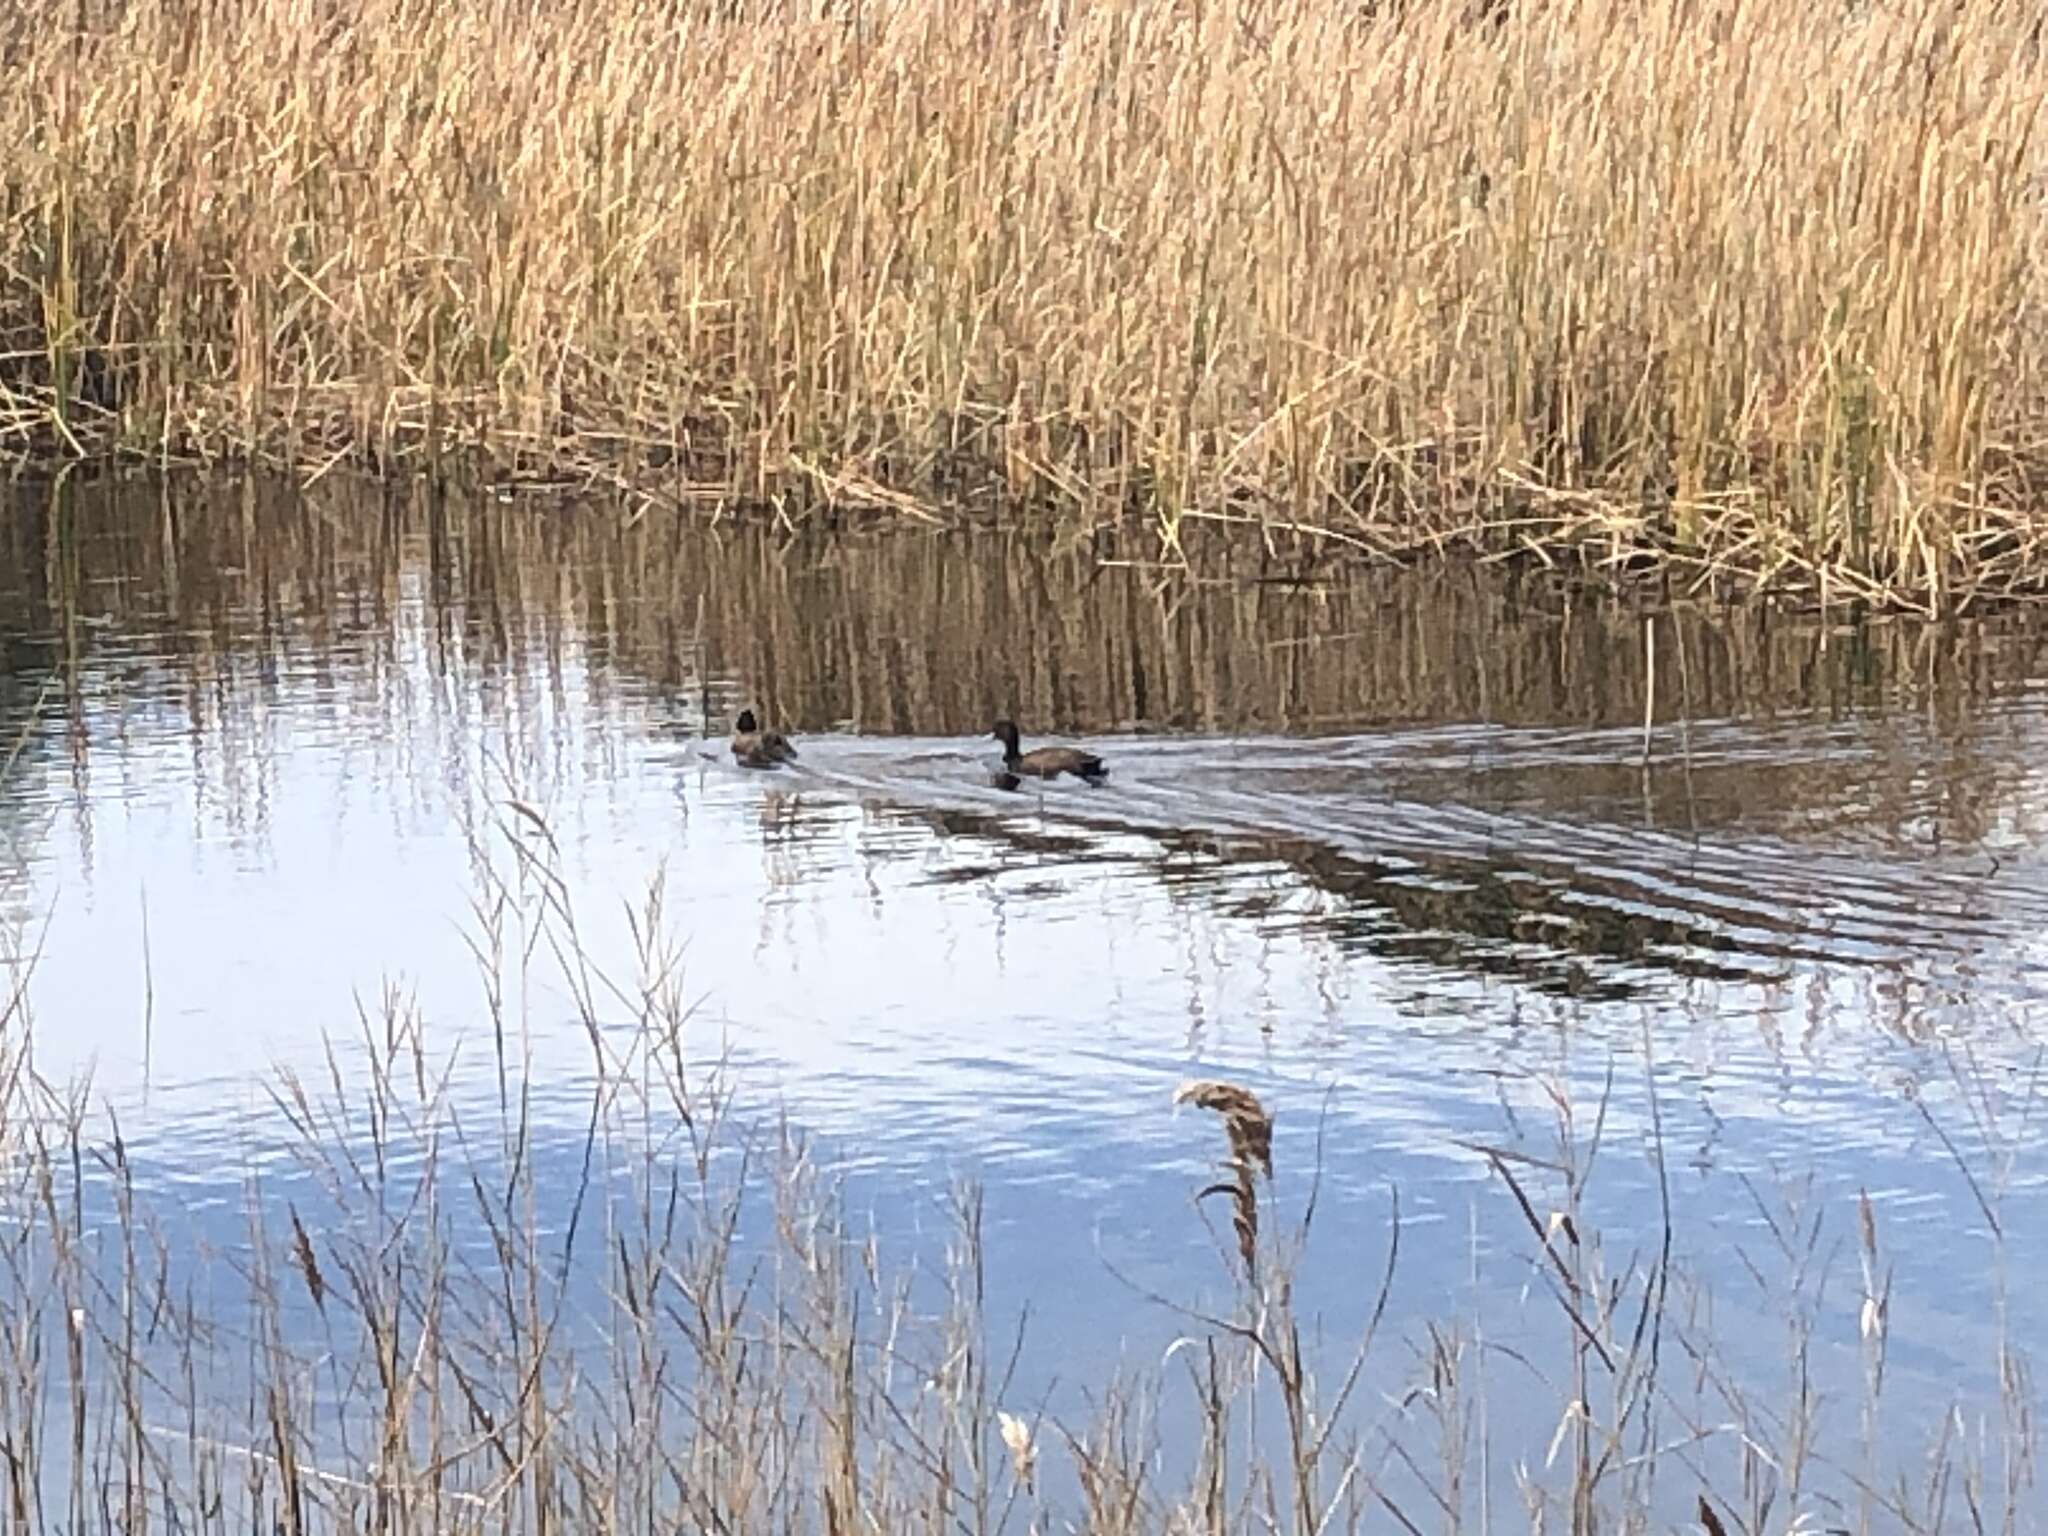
(753, 747)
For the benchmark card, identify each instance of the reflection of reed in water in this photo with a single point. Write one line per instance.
(201, 637)
(226, 605)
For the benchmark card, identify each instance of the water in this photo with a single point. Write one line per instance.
(1382, 846)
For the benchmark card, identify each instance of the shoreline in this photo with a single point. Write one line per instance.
(1582, 551)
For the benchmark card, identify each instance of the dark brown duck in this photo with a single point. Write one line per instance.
(1047, 762)
(756, 748)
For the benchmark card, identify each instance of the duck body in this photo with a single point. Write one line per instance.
(1047, 762)
(753, 747)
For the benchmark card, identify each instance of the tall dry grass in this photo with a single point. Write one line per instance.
(1750, 281)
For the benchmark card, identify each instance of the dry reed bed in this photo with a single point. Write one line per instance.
(1750, 283)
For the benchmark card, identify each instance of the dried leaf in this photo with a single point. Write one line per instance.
(1573, 1412)
(1017, 1436)
(308, 1261)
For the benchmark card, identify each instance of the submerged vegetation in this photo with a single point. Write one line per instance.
(1744, 287)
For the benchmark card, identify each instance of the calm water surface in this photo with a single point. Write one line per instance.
(1381, 846)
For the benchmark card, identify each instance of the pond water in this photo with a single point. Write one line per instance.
(1385, 847)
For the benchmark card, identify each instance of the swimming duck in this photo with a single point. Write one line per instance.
(756, 748)
(1047, 762)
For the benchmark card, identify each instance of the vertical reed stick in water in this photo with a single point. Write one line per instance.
(1649, 681)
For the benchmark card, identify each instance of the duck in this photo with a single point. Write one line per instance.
(753, 747)
(1047, 762)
